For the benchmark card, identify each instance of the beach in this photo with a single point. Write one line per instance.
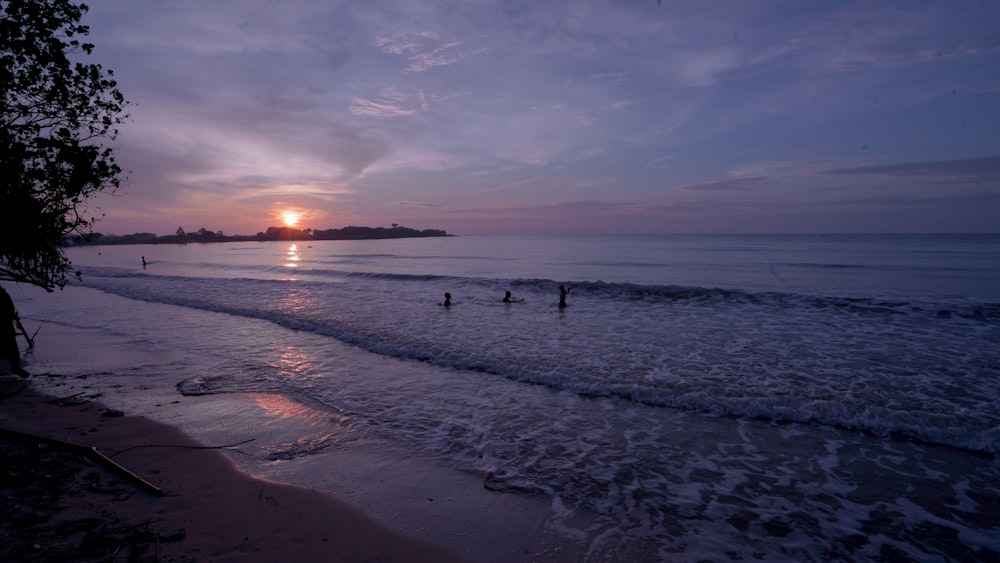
(65, 504)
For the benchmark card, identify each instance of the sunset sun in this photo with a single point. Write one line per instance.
(291, 218)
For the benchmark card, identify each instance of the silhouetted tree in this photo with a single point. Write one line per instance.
(55, 111)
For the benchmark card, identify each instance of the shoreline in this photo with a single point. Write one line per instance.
(420, 506)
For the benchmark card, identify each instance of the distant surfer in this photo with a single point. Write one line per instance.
(143, 261)
(562, 296)
(447, 300)
(8, 335)
(506, 297)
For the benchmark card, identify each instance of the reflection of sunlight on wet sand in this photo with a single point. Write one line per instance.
(318, 427)
(297, 429)
(278, 406)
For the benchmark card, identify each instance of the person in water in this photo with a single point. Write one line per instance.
(508, 298)
(447, 300)
(8, 334)
(562, 296)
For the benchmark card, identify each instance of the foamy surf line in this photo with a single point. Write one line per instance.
(872, 349)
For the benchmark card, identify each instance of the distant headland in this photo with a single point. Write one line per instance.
(272, 233)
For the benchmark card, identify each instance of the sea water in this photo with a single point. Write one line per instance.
(780, 397)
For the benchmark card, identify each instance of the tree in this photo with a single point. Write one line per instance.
(55, 113)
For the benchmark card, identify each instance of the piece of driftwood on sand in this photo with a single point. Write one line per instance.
(88, 451)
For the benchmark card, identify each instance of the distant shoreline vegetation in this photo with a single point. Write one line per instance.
(272, 233)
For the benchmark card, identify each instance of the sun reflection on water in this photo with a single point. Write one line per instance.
(293, 256)
(296, 301)
(294, 362)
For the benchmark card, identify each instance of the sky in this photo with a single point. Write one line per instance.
(555, 116)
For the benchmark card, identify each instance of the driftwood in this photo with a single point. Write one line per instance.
(89, 451)
(67, 397)
(187, 447)
(29, 339)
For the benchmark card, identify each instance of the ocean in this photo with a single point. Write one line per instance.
(701, 397)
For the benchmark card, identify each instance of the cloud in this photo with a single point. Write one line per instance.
(424, 49)
(661, 162)
(733, 185)
(610, 78)
(392, 103)
(385, 109)
(779, 168)
(961, 171)
(919, 55)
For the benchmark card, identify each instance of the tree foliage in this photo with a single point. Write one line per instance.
(56, 113)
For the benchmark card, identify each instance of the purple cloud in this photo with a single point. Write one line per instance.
(733, 185)
(961, 171)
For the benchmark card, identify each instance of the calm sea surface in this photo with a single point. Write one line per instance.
(777, 397)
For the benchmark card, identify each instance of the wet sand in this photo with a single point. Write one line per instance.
(222, 500)
(63, 502)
